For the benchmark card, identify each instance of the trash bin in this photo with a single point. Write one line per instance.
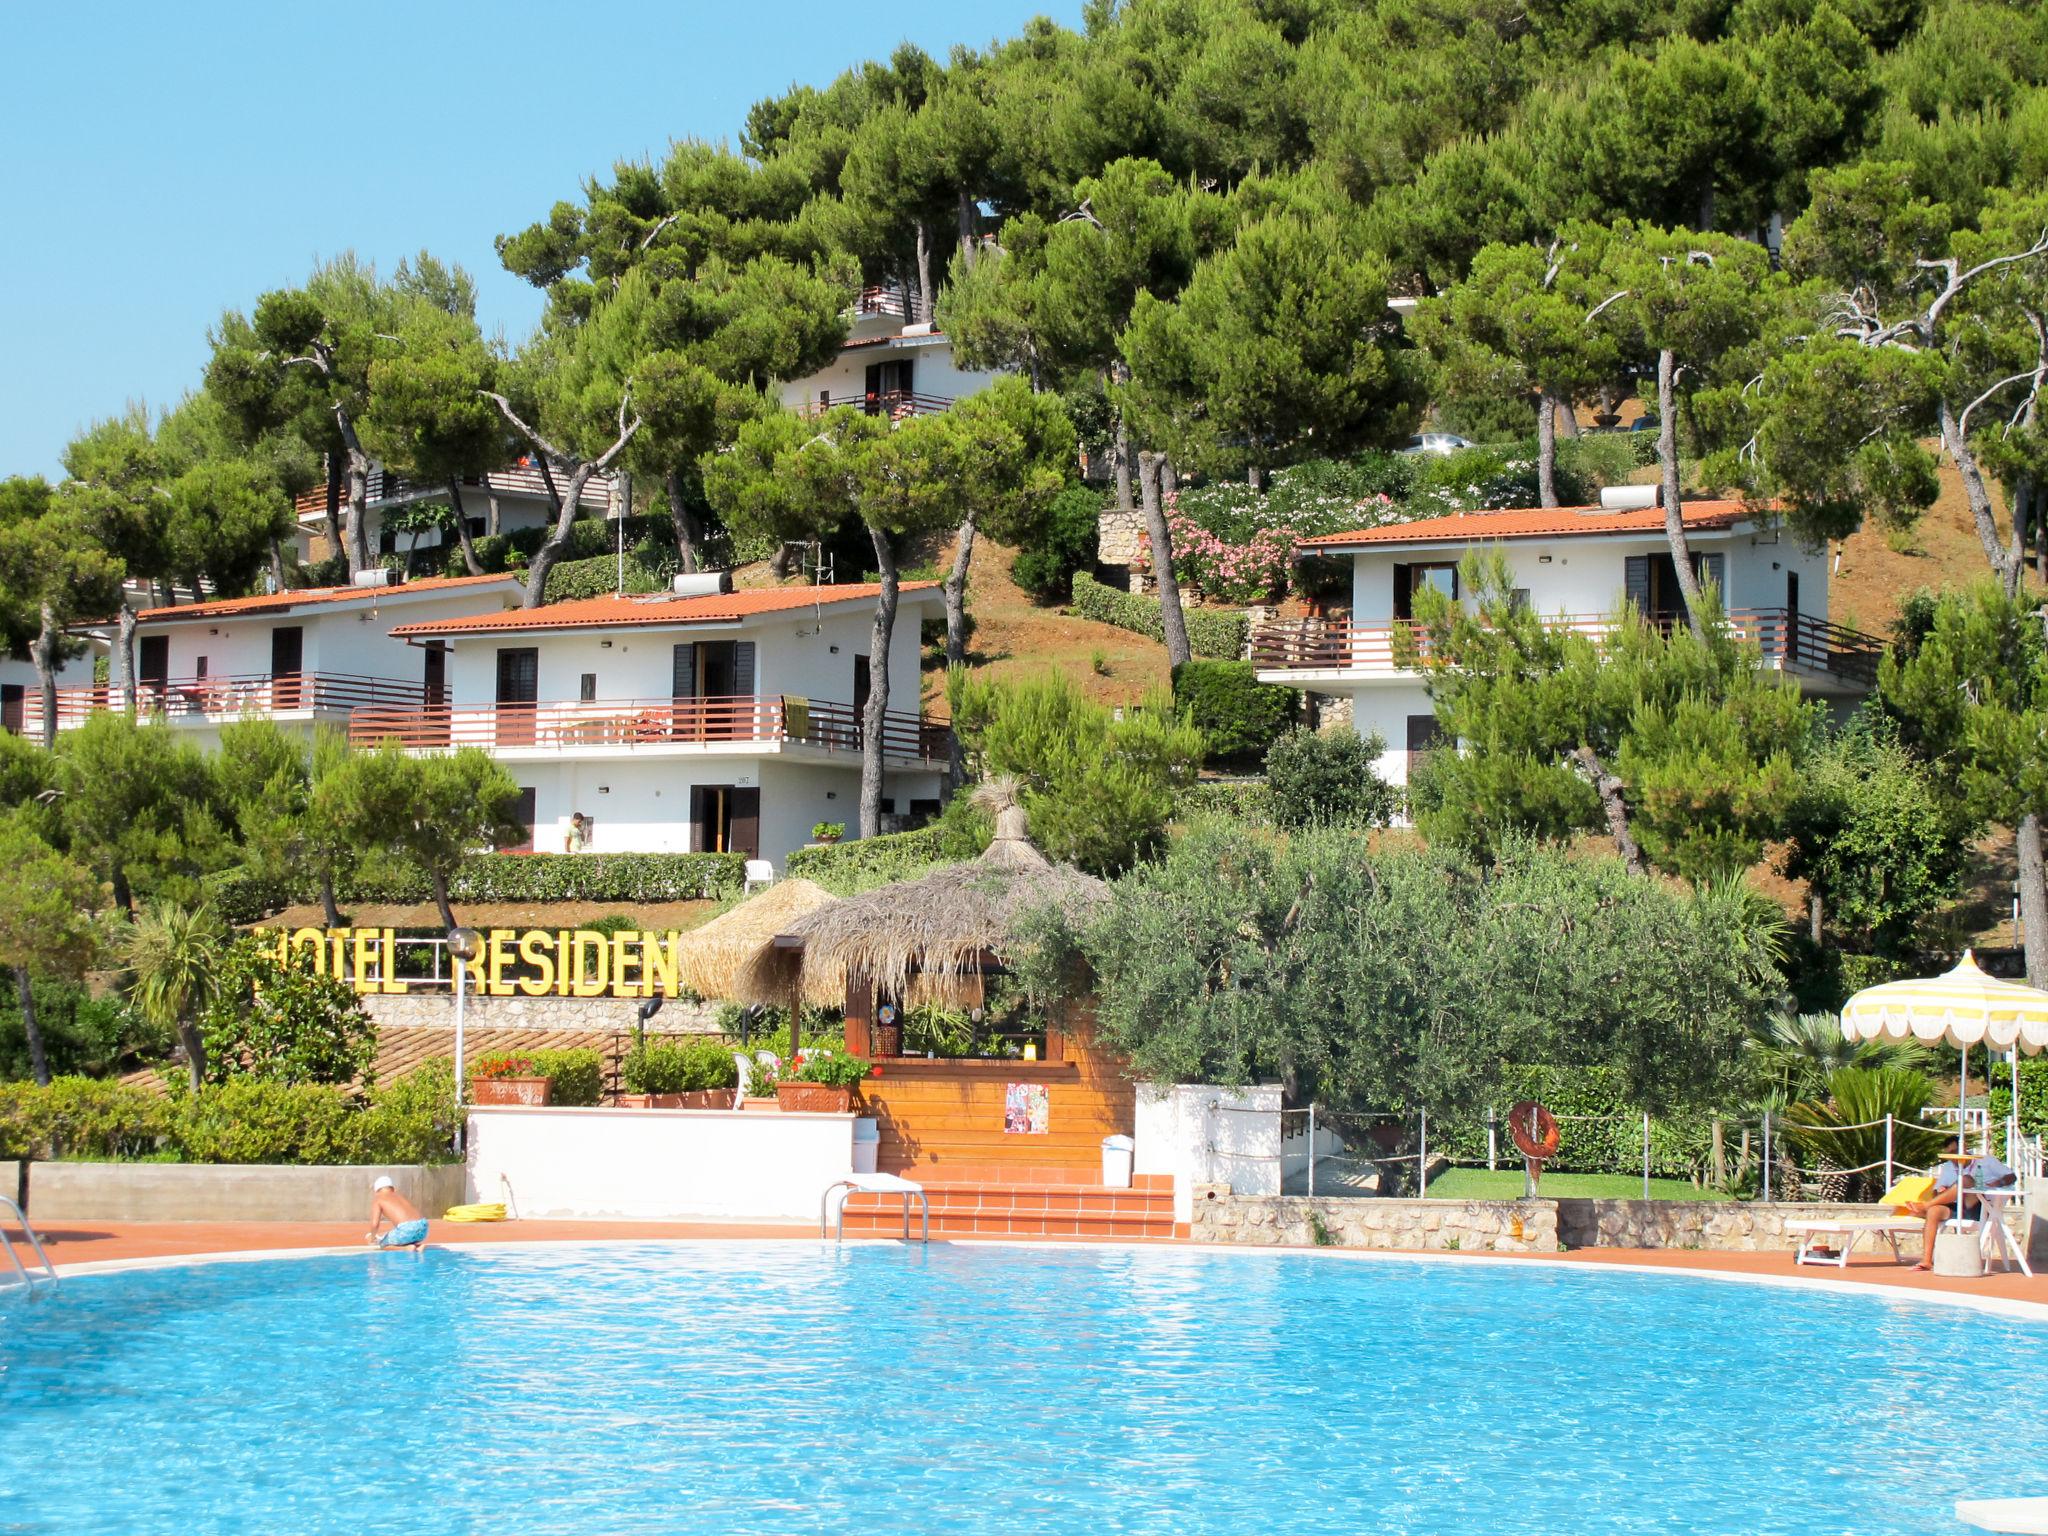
(1116, 1161)
(867, 1144)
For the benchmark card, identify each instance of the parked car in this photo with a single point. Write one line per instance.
(1435, 442)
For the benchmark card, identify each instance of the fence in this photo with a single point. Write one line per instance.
(1305, 1142)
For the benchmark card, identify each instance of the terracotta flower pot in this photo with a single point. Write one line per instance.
(695, 1098)
(531, 1092)
(814, 1098)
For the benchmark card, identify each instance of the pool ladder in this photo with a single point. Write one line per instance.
(28, 1277)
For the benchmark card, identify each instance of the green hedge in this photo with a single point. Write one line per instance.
(598, 576)
(866, 862)
(2033, 1095)
(509, 877)
(575, 1077)
(1679, 1142)
(243, 1120)
(1210, 633)
(1238, 715)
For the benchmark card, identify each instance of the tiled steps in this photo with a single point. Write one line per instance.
(1011, 1209)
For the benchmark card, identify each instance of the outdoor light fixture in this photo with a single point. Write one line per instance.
(464, 944)
(604, 645)
(1543, 559)
(835, 650)
(604, 789)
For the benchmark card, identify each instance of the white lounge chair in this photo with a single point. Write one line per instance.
(1832, 1241)
(2018, 1517)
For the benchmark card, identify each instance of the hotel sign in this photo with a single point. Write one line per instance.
(510, 962)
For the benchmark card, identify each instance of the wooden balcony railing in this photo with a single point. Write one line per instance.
(882, 299)
(568, 727)
(893, 403)
(1785, 638)
(227, 696)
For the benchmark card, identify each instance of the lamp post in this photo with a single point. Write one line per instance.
(464, 945)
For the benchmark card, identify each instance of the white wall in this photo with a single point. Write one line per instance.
(1385, 707)
(932, 371)
(658, 1164)
(1587, 576)
(351, 636)
(1203, 1134)
(806, 653)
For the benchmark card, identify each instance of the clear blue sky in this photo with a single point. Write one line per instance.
(159, 162)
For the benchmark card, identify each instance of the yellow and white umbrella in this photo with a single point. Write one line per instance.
(1961, 1008)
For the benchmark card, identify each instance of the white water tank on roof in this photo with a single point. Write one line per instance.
(1622, 498)
(374, 576)
(702, 584)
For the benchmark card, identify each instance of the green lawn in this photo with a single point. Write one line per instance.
(1506, 1184)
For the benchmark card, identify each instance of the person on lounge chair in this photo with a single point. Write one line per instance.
(1956, 1186)
(408, 1226)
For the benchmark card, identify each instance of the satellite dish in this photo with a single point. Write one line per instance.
(1534, 1129)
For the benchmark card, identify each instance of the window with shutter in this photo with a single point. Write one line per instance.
(685, 671)
(1636, 583)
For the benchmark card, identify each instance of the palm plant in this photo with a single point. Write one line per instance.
(173, 955)
(1847, 1129)
(1803, 1051)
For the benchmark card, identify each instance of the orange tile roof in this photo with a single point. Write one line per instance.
(1538, 523)
(655, 609)
(305, 597)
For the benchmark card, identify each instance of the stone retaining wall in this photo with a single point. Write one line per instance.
(219, 1192)
(10, 1181)
(1538, 1226)
(1474, 1226)
(436, 1010)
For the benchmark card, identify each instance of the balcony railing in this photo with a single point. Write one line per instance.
(885, 299)
(893, 403)
(1785, 637)
(566, 727)
(228, 696)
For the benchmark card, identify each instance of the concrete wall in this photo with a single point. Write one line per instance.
(1202, 1134)
(10, 1181)
(219, 1192)
(658, 1164)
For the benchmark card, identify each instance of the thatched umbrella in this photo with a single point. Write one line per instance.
(714, 957)
(926, 938)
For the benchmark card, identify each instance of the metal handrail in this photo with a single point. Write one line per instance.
(7, 1242)
(893, 403)
(649, 722)
(226, 694)
(1783, 635)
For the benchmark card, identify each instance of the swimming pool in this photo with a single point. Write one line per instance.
(790, 1387)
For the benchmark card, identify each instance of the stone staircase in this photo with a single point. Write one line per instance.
(1026, 1203)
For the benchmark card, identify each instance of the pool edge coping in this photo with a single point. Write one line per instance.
(2000, 1306)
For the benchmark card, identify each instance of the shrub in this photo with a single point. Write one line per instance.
(1066, 543)
(512, 877)
(1602, 1130)
(1212, 634)
(599, 576)
(1235, 712)
(2033, 1095)
(82, 1034)
(1329, 778)
(1249, 801)
(244, 1120)
(1849, 1129)
(846, 869)
(81, 1117)
(284, 1024)
(410, 1120)
(680, 1066)
(575, 1077)
(248, 1120)
(833, 1067)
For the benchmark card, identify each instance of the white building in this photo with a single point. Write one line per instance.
(887, 367)
(500, 502)
(1576, 566)
(728, 722)
(302, 658)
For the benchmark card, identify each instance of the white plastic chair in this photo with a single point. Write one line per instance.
(759, 872)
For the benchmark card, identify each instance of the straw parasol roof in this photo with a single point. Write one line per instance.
(714, 956)
(925, 937)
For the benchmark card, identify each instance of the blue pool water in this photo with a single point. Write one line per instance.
(791, 1388)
